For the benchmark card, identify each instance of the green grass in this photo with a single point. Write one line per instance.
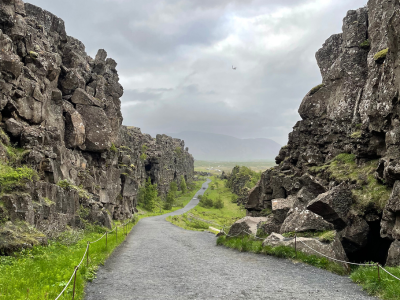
(249, 244)
(11, 177)
(387, 288)
(324, 236)
(45, 270)
(371, 194)
(212, 216)
(202, 166)
(42, 272)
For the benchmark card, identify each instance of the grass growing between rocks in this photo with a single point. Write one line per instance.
(370, 193)
(43, 271)
(387, 288)
(249, 244)
(200, 218)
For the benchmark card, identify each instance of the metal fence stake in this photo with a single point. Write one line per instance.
(295, 243)
(116, 234)
(73, 291)
(379, 275)
(106, 239)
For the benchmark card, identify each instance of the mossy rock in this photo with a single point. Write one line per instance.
(366, 45)
(381, 56)
(18, 236)
(316, 89)
(356, 135)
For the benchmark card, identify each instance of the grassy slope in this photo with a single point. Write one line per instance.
(200, 218)
(42, 272)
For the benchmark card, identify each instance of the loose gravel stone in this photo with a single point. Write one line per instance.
(162, 261)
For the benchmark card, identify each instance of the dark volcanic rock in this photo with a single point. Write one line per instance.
(353, 113)
(62, 108)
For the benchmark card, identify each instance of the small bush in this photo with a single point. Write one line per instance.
(113, 148)
(234, 198)
(366, 45)
(219, 203)
(206, 202)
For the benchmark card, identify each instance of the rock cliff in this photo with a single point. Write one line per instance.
(63, 149)
(342, 159)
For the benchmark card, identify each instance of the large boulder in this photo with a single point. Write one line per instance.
(333, 205)
(390, 224)
(246, 225)
(280, 208)
(304, 220)
(97, 126)
(270, 225)
(355, 235)
(393, 259)
(333, 249)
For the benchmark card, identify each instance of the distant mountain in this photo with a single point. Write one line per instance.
(218, 147)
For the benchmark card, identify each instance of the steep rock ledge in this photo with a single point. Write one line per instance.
(342, 159)
(60, 115)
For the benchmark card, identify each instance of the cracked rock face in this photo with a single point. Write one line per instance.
(354, 111)
(63, 108)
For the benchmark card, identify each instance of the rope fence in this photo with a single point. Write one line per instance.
(86, 254)
(331, 258)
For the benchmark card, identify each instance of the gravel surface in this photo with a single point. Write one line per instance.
(162, 261)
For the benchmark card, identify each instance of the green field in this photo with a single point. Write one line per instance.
(200, 218)
(213, 166)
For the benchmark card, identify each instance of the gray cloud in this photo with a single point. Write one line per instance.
(174, 58)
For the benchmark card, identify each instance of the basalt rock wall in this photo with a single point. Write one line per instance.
(61, 109)
(340, 169)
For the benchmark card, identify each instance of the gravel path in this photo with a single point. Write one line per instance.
(161, 261)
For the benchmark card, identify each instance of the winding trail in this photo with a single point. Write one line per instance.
(162, 261)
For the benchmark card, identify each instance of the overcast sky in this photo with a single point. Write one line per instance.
(175, 59)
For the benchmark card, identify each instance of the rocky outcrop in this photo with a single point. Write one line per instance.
(246, 226)
(60, 115)
(332, 249)
(342, 159)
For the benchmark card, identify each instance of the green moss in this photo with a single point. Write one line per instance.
(143, 156)
(356, 135)
(370, 193)
(113, 148)
(316, 89)
(365, 45)
(381, 55)
(4, 138)
(178, 151)
(65, 184)
(33, 54)
(48, 201)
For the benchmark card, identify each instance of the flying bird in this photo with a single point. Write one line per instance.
(234, 68)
